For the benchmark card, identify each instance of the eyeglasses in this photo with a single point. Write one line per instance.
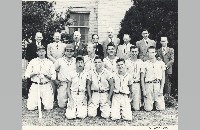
(70, 50)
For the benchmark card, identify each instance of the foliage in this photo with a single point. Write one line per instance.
(160, 17)
(40, 16)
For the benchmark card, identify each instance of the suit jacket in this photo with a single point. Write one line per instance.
(32, 49)
(168, 58)
(143, 48)
(99, 50)
(54, 52)
(80, 50)
(106, 42)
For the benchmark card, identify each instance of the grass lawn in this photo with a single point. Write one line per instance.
(56, 117)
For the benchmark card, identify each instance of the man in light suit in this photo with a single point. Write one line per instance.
(167, 56)
(123, 51)
(55, 51)
(144, 44)
(79, 47)
(109, 39)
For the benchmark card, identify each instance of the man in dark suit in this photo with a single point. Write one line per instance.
(110, 39)
(32, 47)
(99, 47)
(31, 54)
(167, 56)
(79, 47)
(144, 44)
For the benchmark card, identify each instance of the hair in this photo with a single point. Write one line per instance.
(77, 32)
(133, 47)
(91, 44)
(98, 57)
(111, 44)
(79, 58)
(145, 29)
(120, 59)
(94, 35)
(151, 47)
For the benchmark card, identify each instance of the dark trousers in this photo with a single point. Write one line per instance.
(168, 84)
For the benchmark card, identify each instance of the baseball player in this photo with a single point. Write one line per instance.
(110, 60)
(121, 107)
(134, 67)
(89, 59)
(101, 90)
(77, 105)
(41, 71)
(63, 66)
(152, 81)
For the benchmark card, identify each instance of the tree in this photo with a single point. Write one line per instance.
(160, 17)
(40, 16)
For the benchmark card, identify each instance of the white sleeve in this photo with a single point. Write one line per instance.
(52, 71)
(29, 69)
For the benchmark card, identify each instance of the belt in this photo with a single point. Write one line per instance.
(78, 92)
(136, 81)
(100, 91)
(154, 81)
(120, 93)
(40, 83)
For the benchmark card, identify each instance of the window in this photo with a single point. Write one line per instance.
(81, 24)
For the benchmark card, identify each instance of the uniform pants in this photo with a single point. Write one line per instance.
(152, 90)
(62, 95)
(99, 99)
(121, 107)
(46, 94)
(136, 93)
(79, 108)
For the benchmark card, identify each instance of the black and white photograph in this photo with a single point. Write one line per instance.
(100, 63)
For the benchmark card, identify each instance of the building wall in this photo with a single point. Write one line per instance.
(110, 14)
(103, 13)
(83, 6)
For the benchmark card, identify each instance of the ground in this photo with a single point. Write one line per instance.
(56, 117)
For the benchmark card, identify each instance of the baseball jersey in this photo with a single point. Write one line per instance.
(78, 81)
(64, 66)
(154, 70)
(123, 51)
(100, 80)
(122, 82)
(110, 64)
(134, 68)
(44, 66)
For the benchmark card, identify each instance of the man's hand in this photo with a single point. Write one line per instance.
(108, 100)
(57, 82)
(71, 103)
(144, 93)
(159, 59)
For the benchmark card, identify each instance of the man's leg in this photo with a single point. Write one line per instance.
(104, 106)
(32, 102)
(92, 107)
(62, 95)
(47, 96)
(159, 99)
(148, 100)
(126, 108)
(82, 106)
(136, 93)
(115, 108)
